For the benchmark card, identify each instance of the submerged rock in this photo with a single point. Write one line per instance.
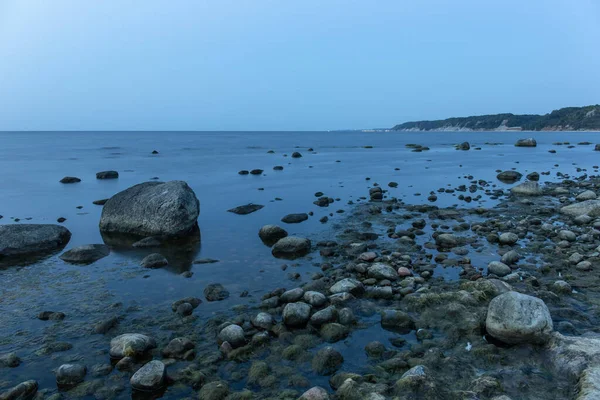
(215, 292)
(131, 345)
(152, 209)
(70, 374)
(154, 260)
(246, 209)
(294, 218)
(327, 361)
(179, 348)
(85, 254)
(515, 318)
(32, 239)
(23, 391)
(151, 377)
(217, 390)
(9, 360)
(291, 247)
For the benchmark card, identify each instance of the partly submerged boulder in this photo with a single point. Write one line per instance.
(32, 239)
(167, 209)
(527, 189)
(529, 142)
(85, 254)
(587, 207)
(291, 247)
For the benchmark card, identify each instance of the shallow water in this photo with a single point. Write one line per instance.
(33, 163)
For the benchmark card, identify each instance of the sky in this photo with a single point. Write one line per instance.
(290, 64)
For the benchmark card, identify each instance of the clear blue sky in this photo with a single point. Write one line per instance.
(289, 65)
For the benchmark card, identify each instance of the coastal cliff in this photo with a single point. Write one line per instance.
(565, 119)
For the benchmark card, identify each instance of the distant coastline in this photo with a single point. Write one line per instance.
(565, 119)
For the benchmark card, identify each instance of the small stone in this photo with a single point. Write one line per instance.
(234, 335)
(107, 175)
(270, 234)
(70, 374)
(508, 238)
(294, 218)
(70, 179)
(10, 360)
(296, 315)
(215, 292)
(498, 268)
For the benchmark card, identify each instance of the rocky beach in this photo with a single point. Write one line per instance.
(353, 266)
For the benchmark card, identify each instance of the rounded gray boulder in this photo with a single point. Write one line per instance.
(291, 247)
(166, 209)
(270, 234)
(85, 254)
(150, 377)
(130, 345)
(516, 318)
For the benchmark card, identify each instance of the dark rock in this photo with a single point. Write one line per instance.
(150, 378)
(152, 209)
(178, 348)
(100, 202)
(68, 375)
(32, 239)
(10, 360)
(294, 218)
(296, 315)
(246, 209)
(256, 172)
(107, 175)
(215, 292)
(327, 361)
(270, 234)
(70, 179)
(296, 155)
(23, 391)
(206, 261)
(463, 146)
(509, 176)
(131, 345)
(106, 325)
(291, 247)
(147, 242)
(85, 254)
(51, 316)
(529, 142)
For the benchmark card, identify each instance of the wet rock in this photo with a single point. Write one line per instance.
(185, 309)
(397, 321)
(193, 301)
(256, 171)
(85, 254)
(368, 256)
(244, 172)
(404, 272)
(9, 360)
(178, 348)
(587, 195)
(214, 391)
(152, 209)
(516, 318)
(346, 316)
(206, 261)
(589, 384)
(151, 377)
(100, 202)
(446, 240)
(215, 292)
(154, 260)
(508, 238)
(107, 175)
(509, 176)
(333, 332)
(510, 257)
(131, 345)
(296, 315)
(263, 321)
(70, 179)
(23, 391)
(463, 146)
(561, 287)
(70, 374)
(233, 334)
(315, 299)
(270, 234)
(291, 247)
(32, 239)
(292, 295)
(348, 285)
(375, 349)
(567, 235)
(315, 393)
(324, 316)
(376, 193)
(51, 316)
(498, 268)
(527, 189)
(529, 142)
(106, 325)
(296, 155)
(246, 209)
(382, 271)
(295, 218)
(584, 266)
(534, 176)
(327, 361)
(588, 207)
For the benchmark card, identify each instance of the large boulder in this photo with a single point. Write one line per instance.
(291, 247)
(529, 142)
(588, 207)
(85, 254)
(516, 318)
(167, 209)
(32, 239)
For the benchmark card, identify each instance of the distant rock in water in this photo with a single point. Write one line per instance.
(296, 155)
(463, 146)
(529, 142)
(597, 147)
(32, 239)
(154, 260)
(270, 234)
(509, 176)
(152, 209)
(100, 202)
(85, 254)
(256, 172)
(527, 189)
(246, 209)
(294, 218)
(70, 179)
(154, 152)
(244, 172)
(107, 175)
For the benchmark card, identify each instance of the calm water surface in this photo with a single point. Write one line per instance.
(33, 163)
